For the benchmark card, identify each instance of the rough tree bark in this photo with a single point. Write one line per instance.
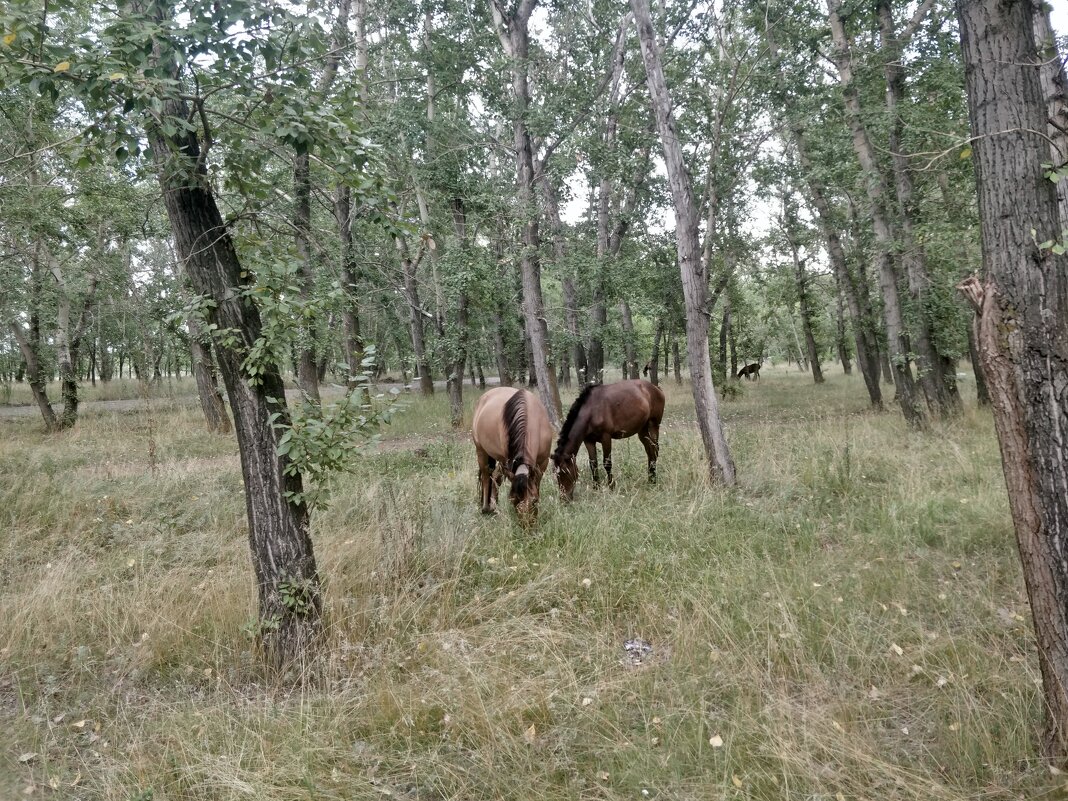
(804, 302)
(69, 337)
(281, 548)
(694, 275)
(511, 28)
(1022, 323)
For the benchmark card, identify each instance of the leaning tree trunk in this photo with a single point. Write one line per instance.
(211, 400)
(939, 385)
(1022, 324)
(290, 605)
(34, 375)
(876, 187)
(694, 276)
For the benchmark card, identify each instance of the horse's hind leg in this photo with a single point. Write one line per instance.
(591, 448)
(606, 446)
(650, 439)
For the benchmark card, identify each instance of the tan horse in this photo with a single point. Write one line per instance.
(512, 437)
(602, 413)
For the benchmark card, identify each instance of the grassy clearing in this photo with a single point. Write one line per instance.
(850, 622)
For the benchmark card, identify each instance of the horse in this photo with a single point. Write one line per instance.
(751, 372)
(601, 413)
(512, 436)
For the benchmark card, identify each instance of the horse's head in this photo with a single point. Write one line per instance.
(566, 470)
(525, 492)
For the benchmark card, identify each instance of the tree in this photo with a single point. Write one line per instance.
(511, 26)
(694, 277)
(1022, 317)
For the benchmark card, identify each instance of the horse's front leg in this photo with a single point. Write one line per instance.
(487, 486)
(606, 446)
(591, 448)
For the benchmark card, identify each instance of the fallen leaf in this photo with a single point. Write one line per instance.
(603, 775)
(59, 718)
(28, 757)
(736, 781)
(715, 741)
(587, 701)
(10, 38)
(79, 725)
(897, 649)
(530, 734)
(839, 797)
(53, 783)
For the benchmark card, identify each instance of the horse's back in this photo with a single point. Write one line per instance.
(487, 424)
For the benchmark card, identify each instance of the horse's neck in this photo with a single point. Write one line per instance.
(577, 433)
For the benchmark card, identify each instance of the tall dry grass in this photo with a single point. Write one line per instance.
(849, 623)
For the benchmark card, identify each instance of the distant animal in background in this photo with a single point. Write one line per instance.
(600, 414)
(751, 372)
(513, 437)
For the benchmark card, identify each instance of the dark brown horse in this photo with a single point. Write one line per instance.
(602, 413)
(751, 372)
(512, 436)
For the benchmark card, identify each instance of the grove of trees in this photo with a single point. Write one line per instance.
(344, 192)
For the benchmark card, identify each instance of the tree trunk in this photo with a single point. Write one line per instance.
(458, 346)
(290, 607)
(211, 401)
(694, 275)
(1055, 92)
(676, 362)
(416, 323)
(724, 326)
(654, 361)
(567, 281)
(804, 303)
(841, 341)
(307, 370)
(630, 347)
(1022, 325)
(34, 377)
(68, 340)
(939, 386)
(876, 189)
(982, 395)
(513, 34)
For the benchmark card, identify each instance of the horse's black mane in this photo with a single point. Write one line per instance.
(572, 416)
(515, 419)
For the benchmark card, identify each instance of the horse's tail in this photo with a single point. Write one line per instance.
(515, 420)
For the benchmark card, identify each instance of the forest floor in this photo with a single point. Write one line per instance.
(849, 623)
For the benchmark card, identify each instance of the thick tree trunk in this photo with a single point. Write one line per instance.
(290, 607)
(876, 189)
(694, 275)
(676, 362)
(1022, 326)
(68, 340)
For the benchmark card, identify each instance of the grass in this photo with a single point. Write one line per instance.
(850, 622)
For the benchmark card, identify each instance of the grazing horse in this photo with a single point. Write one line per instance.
(602, 413)
(512, 436)
(751, 372)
